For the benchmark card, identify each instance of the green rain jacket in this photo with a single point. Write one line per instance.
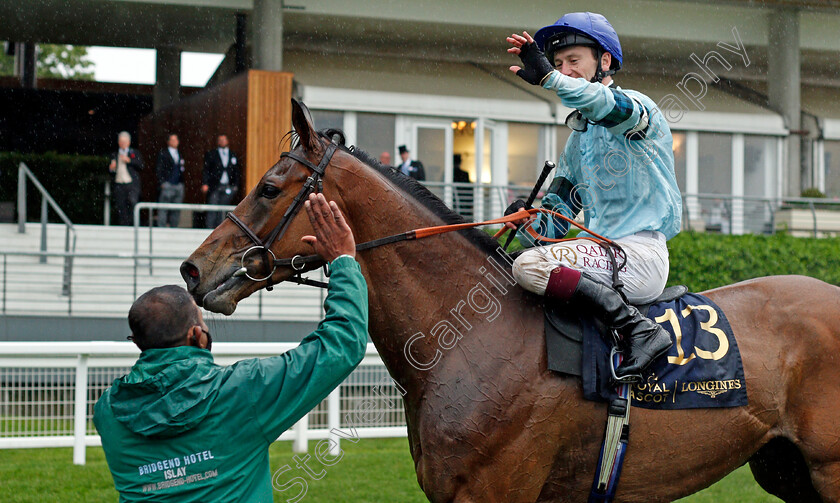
(180, 428)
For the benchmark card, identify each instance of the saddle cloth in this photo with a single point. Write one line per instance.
(703, 368)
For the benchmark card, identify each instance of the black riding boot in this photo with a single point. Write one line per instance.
(645, 340)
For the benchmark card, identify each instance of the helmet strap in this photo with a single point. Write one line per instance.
(599, 73)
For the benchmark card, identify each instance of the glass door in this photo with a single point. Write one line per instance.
(430, 142)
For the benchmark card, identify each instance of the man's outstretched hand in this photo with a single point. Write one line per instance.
(333, 236)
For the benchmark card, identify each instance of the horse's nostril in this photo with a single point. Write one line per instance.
(190, 274)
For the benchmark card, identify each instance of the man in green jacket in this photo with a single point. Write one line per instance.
(180, 428)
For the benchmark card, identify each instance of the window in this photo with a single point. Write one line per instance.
(714, 165)
(832, 168)
(523, 147)
(759, 180)
(323, 119)
(375, 134)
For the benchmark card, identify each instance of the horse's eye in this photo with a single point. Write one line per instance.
(269, 191)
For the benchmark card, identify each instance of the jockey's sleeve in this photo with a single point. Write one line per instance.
(604, 106)
(283, 388)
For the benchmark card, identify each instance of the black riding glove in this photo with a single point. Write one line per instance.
(516, 206)
(535, 66)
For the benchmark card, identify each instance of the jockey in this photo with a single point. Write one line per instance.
(618, 167)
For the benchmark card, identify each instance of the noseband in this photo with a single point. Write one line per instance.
(314, 183)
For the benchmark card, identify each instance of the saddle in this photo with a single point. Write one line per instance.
(564, 329)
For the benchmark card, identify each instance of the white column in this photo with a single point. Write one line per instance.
(771, 174)
(267, 35)
(737, 216)
(349, 126)
(80, 410)
(783, 87)
(499, 168)
(448, 166)
(478, 213)
(692, 179)
(819, 164)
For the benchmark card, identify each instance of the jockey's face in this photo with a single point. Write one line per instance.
(578, 61)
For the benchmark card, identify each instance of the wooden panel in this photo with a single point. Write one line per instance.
(269, 118)
(253, 109)
(197, 120)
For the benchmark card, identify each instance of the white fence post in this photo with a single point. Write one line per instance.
(333, 420)
(80, 411)
(301, 443)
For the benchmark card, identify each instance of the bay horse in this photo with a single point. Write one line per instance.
(487, 422)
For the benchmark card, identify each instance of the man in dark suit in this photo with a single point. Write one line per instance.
(463, 194)
(125, 168)
(170, 177)
(220, 180)
(414, 169)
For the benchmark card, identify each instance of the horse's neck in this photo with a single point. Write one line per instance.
(432, 299)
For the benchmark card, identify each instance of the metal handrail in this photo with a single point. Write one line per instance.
(166, 206)
(46, 199)
(73, 254)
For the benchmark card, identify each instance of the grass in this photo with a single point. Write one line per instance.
(372, 471)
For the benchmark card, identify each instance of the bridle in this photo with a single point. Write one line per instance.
(314, 183)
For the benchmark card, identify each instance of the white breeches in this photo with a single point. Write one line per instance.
(644, 276)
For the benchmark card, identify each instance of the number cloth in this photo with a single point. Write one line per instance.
(180, 428)
(703, 368)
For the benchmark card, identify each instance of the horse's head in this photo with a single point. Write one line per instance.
(254, 248)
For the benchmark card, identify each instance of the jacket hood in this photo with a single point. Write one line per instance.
(167, 392)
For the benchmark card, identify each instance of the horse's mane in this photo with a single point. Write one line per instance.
(416, 190)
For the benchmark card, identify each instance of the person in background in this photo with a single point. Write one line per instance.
(385, 159)
(125, 167)
(409, 167)
(170, 176)
(463, 195)
(180, 428)
(220, 180)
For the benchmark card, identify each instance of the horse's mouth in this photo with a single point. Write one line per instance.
(222, 299)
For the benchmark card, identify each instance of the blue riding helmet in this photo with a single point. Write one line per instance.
(581, 28)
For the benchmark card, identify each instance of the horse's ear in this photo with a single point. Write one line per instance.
(302, 122)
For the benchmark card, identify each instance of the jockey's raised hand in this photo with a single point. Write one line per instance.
(535, 66)
(333, 237)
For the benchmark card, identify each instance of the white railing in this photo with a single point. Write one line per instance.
(48, 390)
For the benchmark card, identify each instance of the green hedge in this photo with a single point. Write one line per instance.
(76, 183)
(704, 261)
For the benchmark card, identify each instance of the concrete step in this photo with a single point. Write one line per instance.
(106, 286)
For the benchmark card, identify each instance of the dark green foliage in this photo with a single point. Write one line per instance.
(812, 192)
(704, 261)
(75, 182)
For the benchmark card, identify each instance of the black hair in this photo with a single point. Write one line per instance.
(161, 317)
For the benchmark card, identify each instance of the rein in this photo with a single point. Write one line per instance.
(314, 183)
